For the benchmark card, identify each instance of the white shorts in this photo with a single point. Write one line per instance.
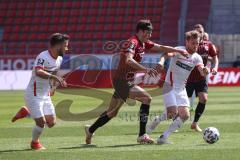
(176, 98)
(39, 107)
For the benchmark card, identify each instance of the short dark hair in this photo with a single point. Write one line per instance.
(192, 35)
(144, 24)
(57, 38)
(198, 26)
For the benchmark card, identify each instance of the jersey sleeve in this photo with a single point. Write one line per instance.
(61, 62)
(198, 61)
(149, 44)
(212, 50)
(130, 46)
(40, 62)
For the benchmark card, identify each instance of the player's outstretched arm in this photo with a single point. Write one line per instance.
(215, 65)
(132, 63)
(163, 57)
(204, 71)
(168, 49)
(45, 75)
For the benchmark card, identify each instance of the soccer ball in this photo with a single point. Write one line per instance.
(211, 135)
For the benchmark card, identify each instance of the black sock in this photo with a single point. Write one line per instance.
(199, 110)
(103, 119)
(143, 118)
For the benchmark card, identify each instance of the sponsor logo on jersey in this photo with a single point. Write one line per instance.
(184, 66)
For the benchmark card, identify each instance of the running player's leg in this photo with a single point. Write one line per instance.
(179, 115)
(36, 133)
(172, 113)
(201, 90)
(49, 113)
(169, 101)
(36, 111)
(156, 121)
(35, 106)
(104, 118)
(119, 97)
(111, 112)
(141, 95)
(190, 88)
(22, 113)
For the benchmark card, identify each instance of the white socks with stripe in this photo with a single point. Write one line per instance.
(160, 118)
(36, 132)
(176, 124)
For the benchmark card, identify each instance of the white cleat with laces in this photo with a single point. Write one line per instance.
(162, 140)
(145, 139)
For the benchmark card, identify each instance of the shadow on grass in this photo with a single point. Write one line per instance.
(121, 145)
(15, 150)
(203, 144)
(82, 146)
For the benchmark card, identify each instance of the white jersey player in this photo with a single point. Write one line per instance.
(37, 94)
(174, 93)
(38, 89)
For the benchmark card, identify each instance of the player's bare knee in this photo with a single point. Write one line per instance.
(51, 124)
(41, 123)
(112, 114)
(147, 100)
(184, 116)
(203, 99)
(171, 114)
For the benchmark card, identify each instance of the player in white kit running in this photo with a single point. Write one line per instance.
(174, 93)
(37, 94)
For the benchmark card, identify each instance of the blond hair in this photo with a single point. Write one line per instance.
(192, 35)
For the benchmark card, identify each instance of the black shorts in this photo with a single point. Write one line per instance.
(122, 88)
(201, 86)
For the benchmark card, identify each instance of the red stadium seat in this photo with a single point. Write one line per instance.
(22, 6)
(30, 5)
(41, 5)
(68, 4)
(76, 4)
(95, 4)
(58, 5)
(73, 20)
(87, 22)
(56, 12)
(12, 6)
(7, 30)
(4, 5)
(66, 13)
(18, 21)
(75, 12)
(72, 28)
(98, 35)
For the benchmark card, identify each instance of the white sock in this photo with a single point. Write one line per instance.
(36, 132)
(161, 118)
(192, 99)
(176, 124)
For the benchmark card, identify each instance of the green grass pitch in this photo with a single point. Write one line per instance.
(117, 140)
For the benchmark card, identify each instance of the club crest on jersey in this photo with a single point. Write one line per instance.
(131, 47)
(206, 47)
(40, 61)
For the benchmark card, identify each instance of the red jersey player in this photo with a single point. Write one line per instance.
(196, 82)
(129, 63)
